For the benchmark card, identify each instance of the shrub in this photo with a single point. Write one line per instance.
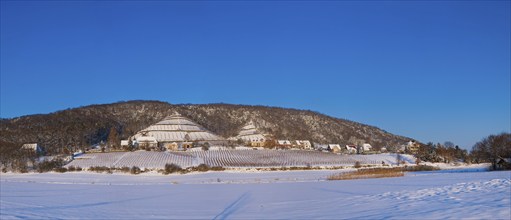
(100, 169)
(135, 170)
(172, 168)
(60, 169)
(125, 169)
(47, 166)
(217, 168)
(202, 168)
(420, 168)
(357, 164)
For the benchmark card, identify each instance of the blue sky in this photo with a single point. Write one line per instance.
(434, 71)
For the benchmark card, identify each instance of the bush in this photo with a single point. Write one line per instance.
(125, 169)
(135, 170)
(217, 168)
(100, 169)
(202, 168)
(357, 164)
(420, 168)
(172, 168)
(60, 169)
(47, 166)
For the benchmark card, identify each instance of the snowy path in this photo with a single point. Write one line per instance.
(426, 195)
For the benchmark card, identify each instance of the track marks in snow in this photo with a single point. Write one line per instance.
(449, 192)
(120, 158)
(233, 207)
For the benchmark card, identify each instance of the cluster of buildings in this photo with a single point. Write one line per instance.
(174, 133)
(178, 133)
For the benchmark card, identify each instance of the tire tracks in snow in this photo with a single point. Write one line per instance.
(233, 207)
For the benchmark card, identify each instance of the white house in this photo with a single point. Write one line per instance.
(335, 148)
(250, 135)
(352, 149)
(321, 147)
(304, 144)
(284, 143)
(32, 147)
(366, 147)
(125, 143)
(146, 141)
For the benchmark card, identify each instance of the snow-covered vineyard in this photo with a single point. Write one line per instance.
(230, 159)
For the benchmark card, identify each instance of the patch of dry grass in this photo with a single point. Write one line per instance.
(379, 172)
(368, 173)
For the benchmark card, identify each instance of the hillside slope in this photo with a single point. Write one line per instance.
(80, 127)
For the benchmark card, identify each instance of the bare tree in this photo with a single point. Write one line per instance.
(492, 148)
(113, 138)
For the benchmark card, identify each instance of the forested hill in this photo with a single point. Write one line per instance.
(81, 127)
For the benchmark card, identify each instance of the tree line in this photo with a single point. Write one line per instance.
(490, 149)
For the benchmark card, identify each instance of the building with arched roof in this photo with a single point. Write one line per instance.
(176, 133)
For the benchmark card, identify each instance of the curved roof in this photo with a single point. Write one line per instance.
(177, 128)
(249, 133)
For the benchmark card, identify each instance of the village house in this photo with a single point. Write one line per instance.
(412, 147)
(284, 144)
(351, 149)
(32, 147)
(146, 142)
(335, 148)
(367, 147)
(321, 147)
(304, 144)
(503, 164)
(250, 135)
(125, 143)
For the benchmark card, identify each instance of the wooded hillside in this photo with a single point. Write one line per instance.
(84, 126)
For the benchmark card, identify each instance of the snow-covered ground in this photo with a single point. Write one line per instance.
(232, 159)
(255, 195)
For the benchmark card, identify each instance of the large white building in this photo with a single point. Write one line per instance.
(249, 134)
(32, 147)
(176, 133)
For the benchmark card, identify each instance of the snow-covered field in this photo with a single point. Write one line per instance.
(230, 158)
(256, 195)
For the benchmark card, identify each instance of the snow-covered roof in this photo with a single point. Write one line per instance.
(303, 142)
(320, 146)
(284, 142)
(31, 146)
(351, 147)
(249, 132)
(178, 128)
(334, 146)
(146, 139)
(367, 147)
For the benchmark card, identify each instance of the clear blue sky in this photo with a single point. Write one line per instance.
(434, 71)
